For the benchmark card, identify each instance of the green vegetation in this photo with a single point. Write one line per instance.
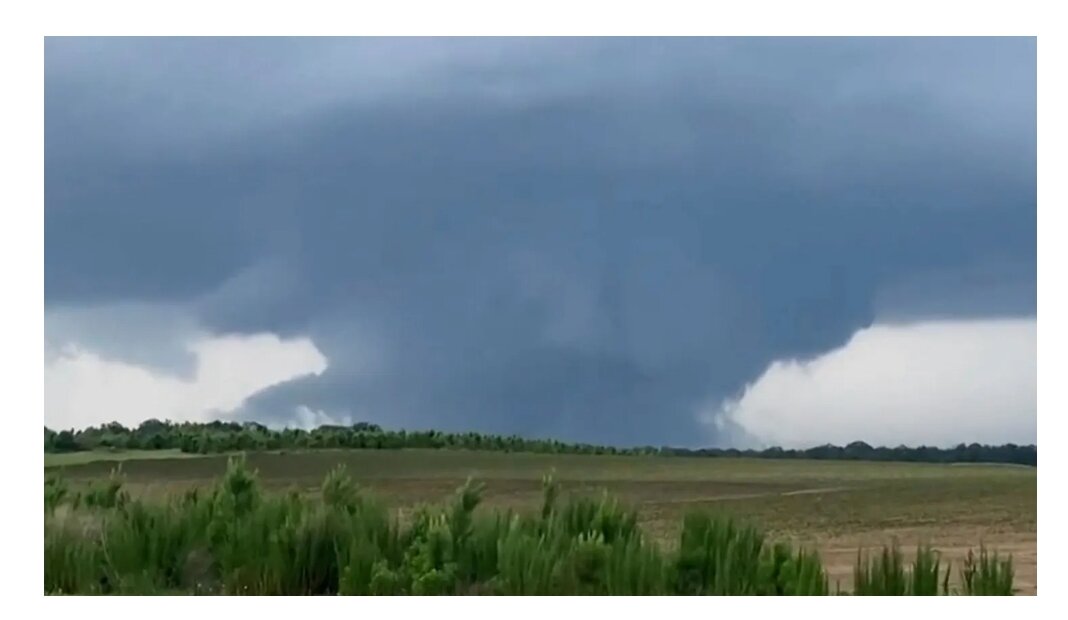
(222, 437)
(55, 459)
(234, 538)
(988, 575)
(886, 574)
(815, 500)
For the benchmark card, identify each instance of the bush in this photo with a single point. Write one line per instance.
(233, 539)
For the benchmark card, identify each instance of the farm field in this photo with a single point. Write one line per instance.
(52, 459)
(834, 507)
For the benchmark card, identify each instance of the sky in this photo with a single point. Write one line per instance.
(690, 242)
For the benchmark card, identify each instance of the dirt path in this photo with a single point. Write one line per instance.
(737, 496)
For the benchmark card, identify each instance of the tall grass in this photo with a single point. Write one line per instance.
(987, 575)
(234, 539)
(887, 574)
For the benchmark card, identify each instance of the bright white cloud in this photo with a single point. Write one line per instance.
(83, 388)
(934, 383)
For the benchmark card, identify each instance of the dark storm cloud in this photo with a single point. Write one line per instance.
(581, 238)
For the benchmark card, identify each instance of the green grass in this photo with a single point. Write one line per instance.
(451, 464)
(830, 506)
(787, 496)
(110, 456)
(231, 537)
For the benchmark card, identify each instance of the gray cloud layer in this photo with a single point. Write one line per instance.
(586, 238)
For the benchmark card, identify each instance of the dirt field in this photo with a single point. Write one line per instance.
(833, 506)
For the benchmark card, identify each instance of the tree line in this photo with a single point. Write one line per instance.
(220, 437)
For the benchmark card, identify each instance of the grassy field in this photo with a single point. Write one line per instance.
(80, 458)
(833, 506)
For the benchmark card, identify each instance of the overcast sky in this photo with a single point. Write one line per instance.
(630, 241)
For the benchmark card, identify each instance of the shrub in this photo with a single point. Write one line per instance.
(234, 539)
